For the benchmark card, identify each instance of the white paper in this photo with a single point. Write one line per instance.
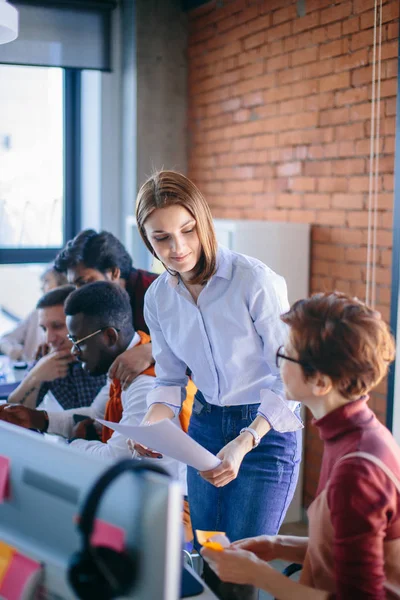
(165, 437)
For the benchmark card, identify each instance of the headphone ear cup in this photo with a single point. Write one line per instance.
(101, 573)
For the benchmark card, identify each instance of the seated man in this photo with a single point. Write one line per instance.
(99, 320)
(100, 325)
(23, 341)
(93, 256)
(57, 374)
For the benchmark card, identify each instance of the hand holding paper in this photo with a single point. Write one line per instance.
(165, 437)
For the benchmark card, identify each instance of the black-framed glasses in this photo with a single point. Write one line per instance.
(280, 356)
(76, 343)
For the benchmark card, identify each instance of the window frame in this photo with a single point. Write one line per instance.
(72, 177)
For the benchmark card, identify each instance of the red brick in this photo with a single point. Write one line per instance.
(390, 106)
(362, 39)
(348, 201)
(329, 252)
(336, 13)
(332, 184)
(360, 6)
(361, 76)
(388, 88)
(334, 116)
(388, 182)
(292, 106)
(275, 33)
(331, 217)
(351, 96)
(288, 169)
(289, 201)
(320, 168)
(301, 216)
(346, 236)
(307, 22)
(356, 255)
(351, 25)
(351, 61)
(324, 34)
(302, 57)
(241, 116)
(359, 184)
(254, 99)
(303, 184)
(316, 201)
(389, 50)
(254, 40)
(317, 69)
(285, 14)
(334, 82)
(360, 112)
(278, 63)
(335, 48)
(350, 132)
(253, 70)
(290, 75)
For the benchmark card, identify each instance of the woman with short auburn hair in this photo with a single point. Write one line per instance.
(338, 350)
(217, 312)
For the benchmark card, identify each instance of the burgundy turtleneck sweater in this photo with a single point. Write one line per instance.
(363, 502)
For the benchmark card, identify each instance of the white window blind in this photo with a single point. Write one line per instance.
(63, 33)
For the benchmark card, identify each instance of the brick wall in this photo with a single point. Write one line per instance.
(279, 124)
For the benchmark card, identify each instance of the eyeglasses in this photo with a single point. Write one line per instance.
(76, 343)
(280, 355)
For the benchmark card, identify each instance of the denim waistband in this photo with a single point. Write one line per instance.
(242, 409)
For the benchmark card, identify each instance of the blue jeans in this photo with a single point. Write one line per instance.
(256, 502)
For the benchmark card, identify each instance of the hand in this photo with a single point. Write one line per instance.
(23, 416)
(232, 565)
(80, 429)
(265, 547)
(131, 363)
(143, 451)
(231, 456)
(52, 366)
(42, 350)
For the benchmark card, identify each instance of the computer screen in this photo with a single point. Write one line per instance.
(48, 484)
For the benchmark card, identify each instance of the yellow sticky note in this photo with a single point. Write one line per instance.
(205, 538)
(6, 555)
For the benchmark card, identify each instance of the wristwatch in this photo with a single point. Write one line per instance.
(256, 437)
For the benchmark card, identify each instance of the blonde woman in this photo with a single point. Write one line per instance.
(217, 313)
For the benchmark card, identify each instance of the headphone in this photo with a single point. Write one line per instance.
(97, 571)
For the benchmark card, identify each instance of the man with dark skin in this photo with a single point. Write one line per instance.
(93, 256)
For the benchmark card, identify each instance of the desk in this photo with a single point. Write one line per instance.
(9, 377)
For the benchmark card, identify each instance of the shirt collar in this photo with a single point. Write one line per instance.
(349, 417)
(224, 267)
(134, 341)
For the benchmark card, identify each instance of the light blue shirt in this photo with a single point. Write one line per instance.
(228, 339)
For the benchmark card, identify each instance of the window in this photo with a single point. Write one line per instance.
(39, 178)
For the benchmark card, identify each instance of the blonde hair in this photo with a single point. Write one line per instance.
(168, 188)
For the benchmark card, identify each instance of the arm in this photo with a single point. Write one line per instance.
(171, 378)
(242, 567)
(362, 500)
(62, 423)
(48, 368)
(134, 408)
(131, 363)
(267, 302)
(273, 547)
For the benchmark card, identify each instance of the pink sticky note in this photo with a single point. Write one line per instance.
(4, 478)
(21, 578)
(105, 534)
